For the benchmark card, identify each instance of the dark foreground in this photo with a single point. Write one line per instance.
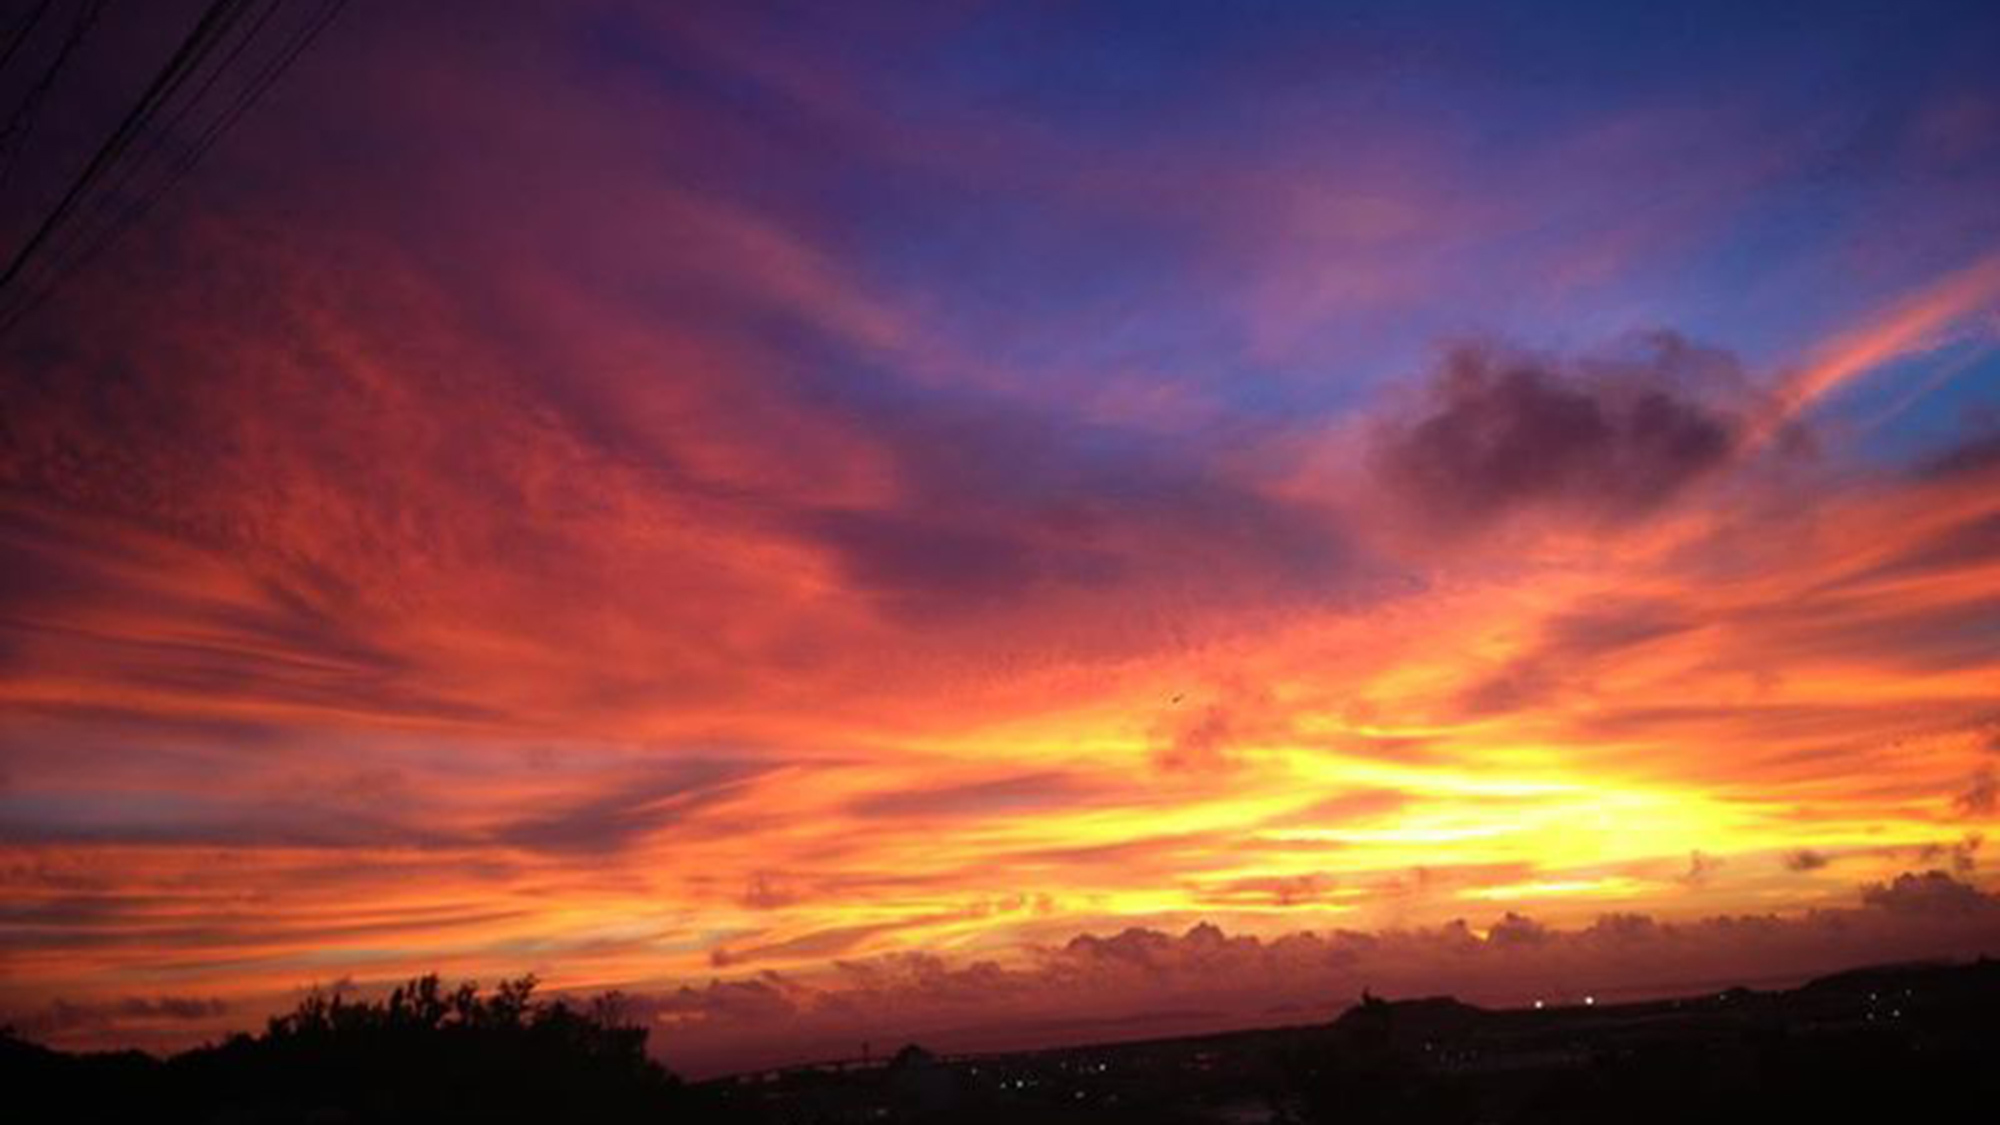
(1880, 1045)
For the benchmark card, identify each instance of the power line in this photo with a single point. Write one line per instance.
(22, 30)
(77, 255)
(92, 229)
(87, 225)
(214, 21)
(188, 104)
(19, 123)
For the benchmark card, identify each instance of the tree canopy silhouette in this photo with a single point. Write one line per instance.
(422, 1053)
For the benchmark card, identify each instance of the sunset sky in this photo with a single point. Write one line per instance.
(1001, 523)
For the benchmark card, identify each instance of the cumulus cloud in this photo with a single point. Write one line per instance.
(1610, 439)
(1932, 893)
(1514, 929)
(1205, 977)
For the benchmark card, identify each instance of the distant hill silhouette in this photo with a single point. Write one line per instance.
(1882, 1044)
(1379, 1023)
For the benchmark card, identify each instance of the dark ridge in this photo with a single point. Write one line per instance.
(1908, 1042)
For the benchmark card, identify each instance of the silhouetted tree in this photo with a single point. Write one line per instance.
(423, 1053)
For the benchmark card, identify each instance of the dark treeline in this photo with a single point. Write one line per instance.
(423, 1053)
(1914, 1043)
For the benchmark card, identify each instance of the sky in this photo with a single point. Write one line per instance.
(1006, 524)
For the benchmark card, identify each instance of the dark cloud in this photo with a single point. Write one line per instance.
(1953, 626)
(1438, 877)
(1973, 542)
(1514, 929)
(278, 638)
(756, 999)
(1204, 737)
(1612, 625)
(135, 724)
(1150, 950)
(1806, 859)
(1200, 742)
(1513, 686)
(228, 929)
(1001, 796)
(1981, 795)
(768, 891)
(922, 564)
(629, 807)
(1568, 649)
(1963, 853)
(61, 1018)
(1609, 439)
(997, 499)
(1933, 893)
(178, 819)
(1271, 891)
(1700, 866)
(1970, 458)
